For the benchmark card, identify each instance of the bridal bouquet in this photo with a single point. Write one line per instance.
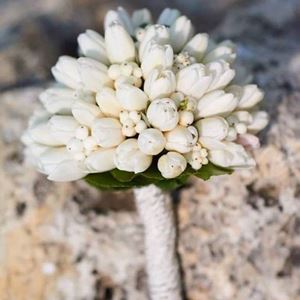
(150, 102)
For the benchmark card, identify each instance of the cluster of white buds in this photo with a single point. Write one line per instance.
(141, 91)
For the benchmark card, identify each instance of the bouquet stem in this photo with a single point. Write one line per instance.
(156, 211)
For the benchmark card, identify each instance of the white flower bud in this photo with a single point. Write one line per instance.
(63, 128)
(118, 16)
(154, 33)
(160, 84)
(82, 132)
(214, 127)
(85, 113)
(135, 116)
(260, 121)
(58, 100)
(216, 103)
(193, 80)
(91, 44)
(108, 103)
(119, 45)
(90, 143)
(232, 135)
(101, 160)
(107, 132)
(231, 155)
(140, 126)
(197, 46)
(40, 133)
(181, 139)
(74, 145)
(162, 114)
(156, 56)
(171, 164)
(131, 98)
(66, 72)
(240, 128)
(249, 141)
(248, 95)
(223, 51)
(124, 115)
(221, 74)
(141, 17)
(129, 158)
(128, 131)
(186, 118)
(180, 32)
(168, 16)
(151, 141)
(114, 71)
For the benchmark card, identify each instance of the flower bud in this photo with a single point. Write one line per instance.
(215, 103)
(156, 56)
(85, 113)
(223, 51)
(221, 74)
(181, 139)
(214, 127)
(231, 155)
(129, 158)
(249, 141)
(168, 16)
(197, 46)
(140, 126)
(171, 164)
(58, 100)
(193, 80)
(141, 17)
(108, 103)
(66, 72)
(162, 114)
(101, 160)
(160, 84)
(158, 34)
(248, 95)
(91, 44)
(151, 141)
(131, 98)
(180, 32)
(119, 45)
(260, 121)
(107, 132)
(186, 118)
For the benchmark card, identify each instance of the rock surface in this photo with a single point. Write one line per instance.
(239, 235)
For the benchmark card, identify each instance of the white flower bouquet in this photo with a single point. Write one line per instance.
(147, 103)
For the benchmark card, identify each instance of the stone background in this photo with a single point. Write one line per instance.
(239, 235)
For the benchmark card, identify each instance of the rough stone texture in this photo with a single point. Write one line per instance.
(239, 235)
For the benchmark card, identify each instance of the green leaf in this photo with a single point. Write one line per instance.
(122, 176)
(210, 170)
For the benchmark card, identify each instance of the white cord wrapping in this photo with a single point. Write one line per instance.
(156, 211)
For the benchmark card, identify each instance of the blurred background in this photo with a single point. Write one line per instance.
(239, 235)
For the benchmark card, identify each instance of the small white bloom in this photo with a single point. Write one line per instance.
(151, 141)
(260, 121)
(75, 145)
(193, 80)
(160, 84)
(221, 74)
(119, 45)
(248, 95)
(108, 102)
(140, 126)
(130, 158)
(101, 160)
(180, 32)
(197, 46)
(82, 132)
(91, 44)
(131, 98)
(85, 113)
(128, 131)
(156, 56)
(216, 103)
(141, 17)
(225, 51)
(168, 16)
(214, 127)
(162, 114)
(58, 100)
(107, 132)
(186, 118)
(181, 139)
(171, 164)
(154, 33)
(135, 116)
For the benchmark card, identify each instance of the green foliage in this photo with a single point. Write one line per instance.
(121, 180)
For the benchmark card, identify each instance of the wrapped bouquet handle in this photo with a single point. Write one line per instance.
(147, 106)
